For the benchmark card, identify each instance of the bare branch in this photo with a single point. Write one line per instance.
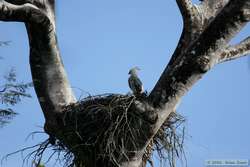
(48, 73)
(192, 19)
(41, 4)
(22, 13)
(212, 7)
(236, 51)
(185, 7)
(37, 3)
(201, 56)
(28, 11)
(192, 27)
(52, 4)
(196, 18)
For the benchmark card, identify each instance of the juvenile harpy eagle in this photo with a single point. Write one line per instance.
(134, 82)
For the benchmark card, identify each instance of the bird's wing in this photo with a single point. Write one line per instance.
(135, 84)
(131, 83)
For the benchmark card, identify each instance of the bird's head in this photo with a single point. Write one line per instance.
(133, 70)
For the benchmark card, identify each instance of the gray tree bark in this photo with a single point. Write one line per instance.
(208, 28)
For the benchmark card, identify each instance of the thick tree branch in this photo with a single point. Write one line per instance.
(38, 4)
(185, 7)
(45, 7)
(196, 59)
(212, 7)
(42, 4)
(49, 77)
(224, 27)
(191, 16)
(21, 13)
(177, 79)
(191, 27)
(236, 51)
(195, 20)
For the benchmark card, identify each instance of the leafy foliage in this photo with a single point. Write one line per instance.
(11, 93)
(6, 115)
(4, 43)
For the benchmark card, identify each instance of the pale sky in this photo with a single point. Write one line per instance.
(100, 41)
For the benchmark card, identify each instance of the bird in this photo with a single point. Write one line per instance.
(134, 82)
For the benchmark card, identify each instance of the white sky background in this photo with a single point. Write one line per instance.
(100, 41)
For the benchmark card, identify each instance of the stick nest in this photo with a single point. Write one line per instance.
(104, 128)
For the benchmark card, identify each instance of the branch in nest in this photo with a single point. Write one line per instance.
(107, 128)
(37, 152)
(169, 140)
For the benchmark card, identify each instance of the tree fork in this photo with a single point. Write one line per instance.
(207, 30)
